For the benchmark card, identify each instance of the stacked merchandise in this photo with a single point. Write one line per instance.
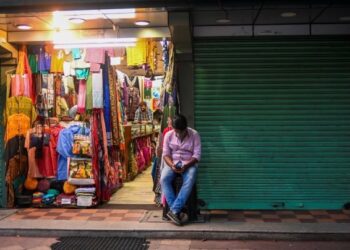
(61, 135)
(86, 197)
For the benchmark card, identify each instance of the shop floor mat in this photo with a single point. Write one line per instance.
(87, 243)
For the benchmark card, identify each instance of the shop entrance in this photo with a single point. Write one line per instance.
(82, 107)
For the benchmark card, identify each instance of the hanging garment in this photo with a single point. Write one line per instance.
(97, 94)
(33, 170)
(44, 61)
(54, 135)
(61, 107)
(168, 111)
(57, 60)
(152, 55)
(20, 104)
(23, 67)
(33, 62)
(21, 85)
(16, 167)
(64, 148)
(81, 96)
(147, 89)
(137, 55)
(114, 105)
(14, 146)
(133, 102)
(88, 104)
(107, 105)
(169, 74)
(58, 84)
(17, 124)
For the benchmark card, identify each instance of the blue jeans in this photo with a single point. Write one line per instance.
(176, 203)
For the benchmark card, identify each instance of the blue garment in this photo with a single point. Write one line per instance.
(107, 105)
(64, 148)
(44, 61)
(76, 54)
(176, 203)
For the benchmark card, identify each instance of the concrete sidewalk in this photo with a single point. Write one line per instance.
(148, 224)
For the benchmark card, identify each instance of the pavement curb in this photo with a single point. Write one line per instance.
(198, 235)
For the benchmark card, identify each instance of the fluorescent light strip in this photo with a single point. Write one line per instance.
(96, 40)
(93, 45)
(98, 14)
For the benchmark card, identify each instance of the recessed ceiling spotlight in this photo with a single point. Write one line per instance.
(223, 20)
(288, 14)
(23, 26)
(76, 20)
(344, 18)
(142, 23)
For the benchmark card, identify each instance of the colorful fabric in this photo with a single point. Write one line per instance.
(44, 61)
(16, 167)
(88, 104)
(137, 55)
(20, 104)
(114, 105)
(97, 94)
(21, 85)
(81, 96)
(95, 55)
(17, 124)
(107, 105)
(57, 61)
(147, 89)
(33, 170)
(133, 102)
(64, 148)
(82, 73)
(33, 62)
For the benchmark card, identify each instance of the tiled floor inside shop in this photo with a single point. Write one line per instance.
(138, 191)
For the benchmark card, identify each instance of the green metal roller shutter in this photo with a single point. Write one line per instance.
(2, 163)
(274, 118)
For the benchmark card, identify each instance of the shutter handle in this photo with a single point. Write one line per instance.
(278, 205)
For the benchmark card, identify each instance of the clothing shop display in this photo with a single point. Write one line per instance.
(65, 117)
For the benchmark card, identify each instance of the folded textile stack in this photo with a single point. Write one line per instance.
(37, 198)
(66, 199)
(85, 196)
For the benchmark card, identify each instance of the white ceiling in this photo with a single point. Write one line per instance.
(43, 21)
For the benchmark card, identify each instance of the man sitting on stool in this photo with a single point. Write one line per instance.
(181, 153)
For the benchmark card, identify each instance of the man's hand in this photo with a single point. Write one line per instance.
(176, 170)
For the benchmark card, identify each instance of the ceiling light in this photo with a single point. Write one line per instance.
(97, 14)
(76, 20)
(142, 23)
(61, 40)
(223, 20)
(344, 18)
(288, 14)
(23, 26)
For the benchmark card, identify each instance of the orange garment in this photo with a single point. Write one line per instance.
(17, 124)
(20, 104)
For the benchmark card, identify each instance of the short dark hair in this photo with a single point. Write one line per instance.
(180, 122)
(142, 104)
